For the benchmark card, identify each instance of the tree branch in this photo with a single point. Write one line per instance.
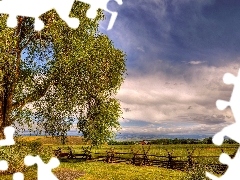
(34, 96)
(28, 41)
(18, 51)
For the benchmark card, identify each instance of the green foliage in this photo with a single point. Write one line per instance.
(100, 170)
(104, 171)
(34, 146)
(197, 173)
(63, 75)
(15, 155)
(111, 142)
(173, 141)
(122, 171)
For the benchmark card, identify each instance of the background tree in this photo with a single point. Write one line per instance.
(51, 78)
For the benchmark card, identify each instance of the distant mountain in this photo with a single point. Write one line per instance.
(28, 133)
(137, 137)
(133, 137)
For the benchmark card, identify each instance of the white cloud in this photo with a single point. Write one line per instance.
(140, 49)
(196, 62)
(163, 97)
(162, 92)
(176, 130)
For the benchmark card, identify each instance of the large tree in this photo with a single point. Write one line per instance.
(51, 78)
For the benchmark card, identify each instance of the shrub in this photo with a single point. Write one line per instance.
(15, 155)
(196, 173)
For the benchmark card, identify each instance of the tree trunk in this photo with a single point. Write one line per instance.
(1, 124)
(6, 104)
(2, 133)
(9, 79)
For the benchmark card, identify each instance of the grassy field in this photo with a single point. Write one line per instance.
(104, 171)
(202, 153)
(48, 140)
(178, 150)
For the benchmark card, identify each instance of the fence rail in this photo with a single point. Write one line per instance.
(144, 159)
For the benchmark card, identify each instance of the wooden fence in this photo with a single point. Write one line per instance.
(169, 161)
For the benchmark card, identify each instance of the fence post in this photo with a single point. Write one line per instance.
(146, 160)
(110, 156)
(170, 160)
(190, 159)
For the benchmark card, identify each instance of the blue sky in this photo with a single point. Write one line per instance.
(177, 53)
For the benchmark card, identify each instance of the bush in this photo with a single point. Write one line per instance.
(34, 146)
(15, 155)
(196, 173)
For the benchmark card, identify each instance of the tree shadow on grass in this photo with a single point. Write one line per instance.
(72, 160)
(68, 174)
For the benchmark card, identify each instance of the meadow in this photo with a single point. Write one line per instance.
(97, 170)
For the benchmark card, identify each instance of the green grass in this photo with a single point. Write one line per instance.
(48, 140)
(159, 150)
(104, 171)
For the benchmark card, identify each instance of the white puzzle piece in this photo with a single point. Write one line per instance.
(231, 131)
(35, 8)
(44, 170)
(101, 4)
(8, 132)
(8, 141)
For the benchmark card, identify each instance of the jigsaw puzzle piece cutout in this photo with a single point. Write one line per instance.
(44, 170)
(225, 159)
(230, 131)
(232, 172)
(18, 176)
(101, 4)
(234, 102)
(3, 165)
(229, 78)
(63, 8)
(221, 104)
(35, 9)
(211, 176)
(8, 132)
(12, 23)
(28, 8)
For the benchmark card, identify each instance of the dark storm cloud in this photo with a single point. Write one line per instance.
(178, 30)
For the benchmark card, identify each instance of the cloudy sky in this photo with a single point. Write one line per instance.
(177, 53)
